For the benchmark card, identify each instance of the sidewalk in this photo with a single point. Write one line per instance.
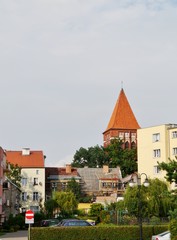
(20, 235)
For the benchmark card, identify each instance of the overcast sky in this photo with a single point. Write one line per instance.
(62, 63)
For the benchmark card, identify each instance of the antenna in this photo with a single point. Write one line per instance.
(121, 84)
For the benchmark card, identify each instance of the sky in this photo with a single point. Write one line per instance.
(63, 63)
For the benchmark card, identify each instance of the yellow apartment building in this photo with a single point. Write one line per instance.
(156, 144)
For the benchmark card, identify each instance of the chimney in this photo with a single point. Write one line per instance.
(105, 169)
(25, 151)
(68, 168)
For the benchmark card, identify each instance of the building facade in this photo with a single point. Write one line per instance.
(56, 179)
(93, 181)
(156, 144)
(3, 169)
(12, 198)
(122, 124)
(33, 177)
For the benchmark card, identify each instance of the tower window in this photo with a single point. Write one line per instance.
(127, 145)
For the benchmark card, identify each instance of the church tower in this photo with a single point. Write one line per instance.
(122, 124)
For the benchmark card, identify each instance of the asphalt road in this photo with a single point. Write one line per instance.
(20, 235)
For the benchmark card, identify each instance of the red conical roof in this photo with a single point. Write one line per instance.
(122, 116)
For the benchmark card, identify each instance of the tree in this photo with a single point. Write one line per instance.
(91, 157)
(126, 159)
(74, 187)
(113, 155)
(95, 209)
(66, 201)
(156, 200)
(170, 168)
(50, 206)
(15, 174)
(159, 198)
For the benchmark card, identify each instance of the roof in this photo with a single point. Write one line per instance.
(54, 171)
(91, 176)
(122, 116)
(34, 160)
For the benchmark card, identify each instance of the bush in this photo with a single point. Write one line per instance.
(173, 229)
(154, 220)
(95, 232)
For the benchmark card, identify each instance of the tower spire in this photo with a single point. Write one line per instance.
(122, 123)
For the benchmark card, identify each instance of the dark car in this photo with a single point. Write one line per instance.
(49, 222)
(73, 223)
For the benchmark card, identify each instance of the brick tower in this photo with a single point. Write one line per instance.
(122, 124)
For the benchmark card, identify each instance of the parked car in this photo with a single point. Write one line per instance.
(162, 236)
(49, 222)
(73, 223)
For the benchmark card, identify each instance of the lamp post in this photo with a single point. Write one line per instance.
(146, 184)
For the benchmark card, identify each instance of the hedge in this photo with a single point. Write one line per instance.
(95, 232)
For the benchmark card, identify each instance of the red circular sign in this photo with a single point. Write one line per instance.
(29, 214)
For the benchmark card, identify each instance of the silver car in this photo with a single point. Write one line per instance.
(162, 236)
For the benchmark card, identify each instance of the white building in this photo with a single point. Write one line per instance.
(33, 177)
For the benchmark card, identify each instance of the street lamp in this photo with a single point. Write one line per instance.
(146, 184)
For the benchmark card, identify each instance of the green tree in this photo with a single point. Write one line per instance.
(15, 174)
(131, 199)
(95, 209)
(66, 201)
(74, 187)
(159, 198)
(113, 155)
(91, 157)
(155, 200)
(170, 168)
(126, 159)
(50, 206)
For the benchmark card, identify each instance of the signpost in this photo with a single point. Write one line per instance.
(29, 218)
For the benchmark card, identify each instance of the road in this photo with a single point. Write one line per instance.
(20, 235)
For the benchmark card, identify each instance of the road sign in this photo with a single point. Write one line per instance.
(29, 217)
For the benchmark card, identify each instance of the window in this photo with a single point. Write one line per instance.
(156, 137)
(35, 181)
(127, 145)
(34, 208)
(175, 151)
(37, 172)
(133, 137)
(157, 153)
(54, 184)
(121, 135)
(127, 136)
(24, 181)
(35, 196)
(156, 169)
(24, 196)
(174, 134)
(133, 145)
(23, 210)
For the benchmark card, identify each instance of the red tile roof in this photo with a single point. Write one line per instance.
(34, 160)
(122, 116)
